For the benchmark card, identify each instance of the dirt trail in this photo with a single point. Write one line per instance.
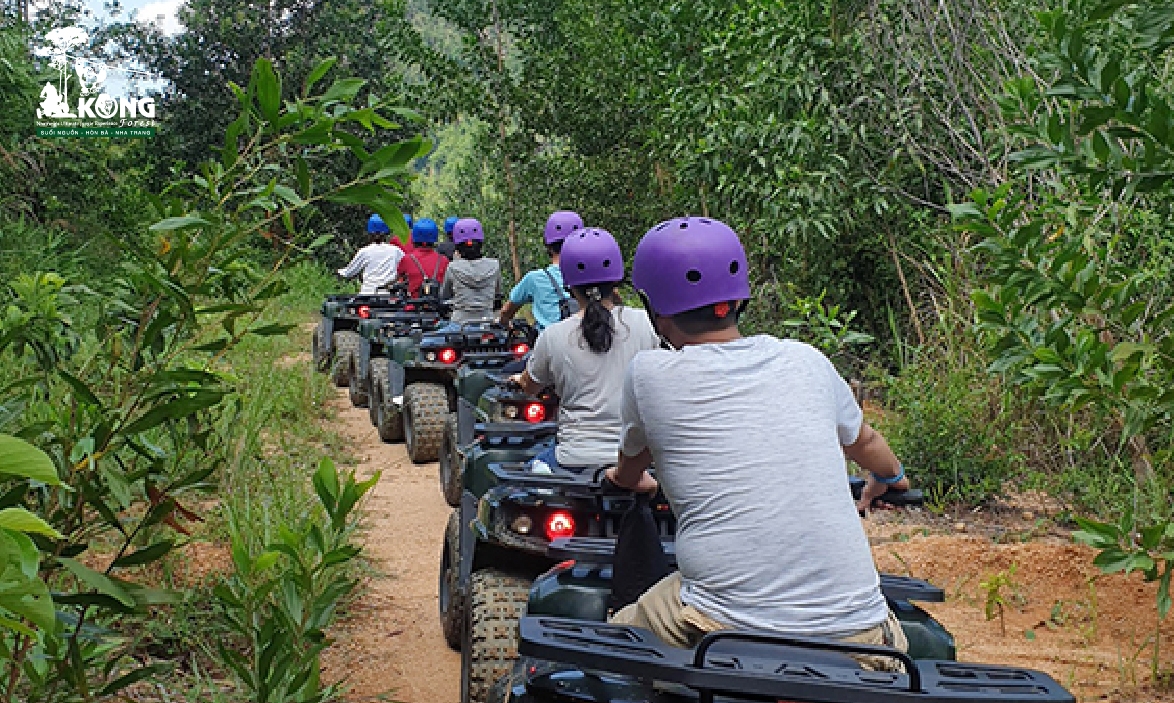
(390, 647)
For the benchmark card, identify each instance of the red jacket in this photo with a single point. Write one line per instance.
(432, 265)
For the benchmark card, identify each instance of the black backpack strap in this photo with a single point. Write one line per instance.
(418, 265)
(557, 288)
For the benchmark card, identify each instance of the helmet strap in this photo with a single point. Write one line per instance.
(664, 341)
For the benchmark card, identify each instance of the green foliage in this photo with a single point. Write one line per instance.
(281, 601)
(996, 600)
(129, 414)
(1127, 546)
(950, 424)
(810, 319)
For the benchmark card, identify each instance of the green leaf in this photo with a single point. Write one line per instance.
(98, 581)
(1096, 534)
(326, 484)
(29, 598)
(1126, 350)
(343, 90)
(21, 520)
(303, 174)
(265, 561)
(268, 89)
(319, 71)
(135, 676)
(1164, 591)
(81, 390)
(179, 223)
(19, 459)
(271, 330)
(289, 195)
(174, 410)
(1112, 560)
(145, 555)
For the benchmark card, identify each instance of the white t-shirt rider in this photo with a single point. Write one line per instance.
(746, 439)
(378, 262)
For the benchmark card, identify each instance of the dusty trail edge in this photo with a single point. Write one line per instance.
(390, 647)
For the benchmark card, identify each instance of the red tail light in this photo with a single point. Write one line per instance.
(409, 307)
(520, 350)
(560, 524)
(448, 355)
(535, 412)
(364, 311)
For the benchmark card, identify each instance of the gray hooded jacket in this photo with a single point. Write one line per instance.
(471, 286)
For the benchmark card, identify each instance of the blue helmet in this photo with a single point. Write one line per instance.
(408, 219)
(450, 224)
(425, 231)
(376, 225)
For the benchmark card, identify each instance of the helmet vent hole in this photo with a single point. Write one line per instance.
(733, 267)
(606, 263)
(582, 266)
(693, 275)
(684, 225)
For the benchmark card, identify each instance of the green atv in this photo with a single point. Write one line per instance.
(337, 335)
(487, 400)
(377, 334)
(428, 372)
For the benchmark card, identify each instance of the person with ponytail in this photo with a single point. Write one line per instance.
(584, 357)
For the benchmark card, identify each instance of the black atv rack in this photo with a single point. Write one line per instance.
(601, 551)
(511, 435)
(756, 666)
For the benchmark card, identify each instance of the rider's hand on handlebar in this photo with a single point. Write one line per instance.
(874, 489)
(647, 484)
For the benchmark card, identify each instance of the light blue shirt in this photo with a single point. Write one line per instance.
(535, 288)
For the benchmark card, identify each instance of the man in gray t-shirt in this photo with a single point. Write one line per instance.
(748, 436)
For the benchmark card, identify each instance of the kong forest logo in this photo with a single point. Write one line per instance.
(91, 111)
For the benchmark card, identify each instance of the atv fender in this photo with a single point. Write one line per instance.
(395, 380)
(328, 326)
(470, 527)
(466, 418)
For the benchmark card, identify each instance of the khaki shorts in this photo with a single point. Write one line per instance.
(660, 610)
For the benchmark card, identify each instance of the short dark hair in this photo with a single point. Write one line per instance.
(705, 318)
(470, 249)
(554, 247)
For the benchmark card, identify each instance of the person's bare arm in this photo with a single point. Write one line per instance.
(632, 473)
(872, 453)
(527, 382)
(508, 311)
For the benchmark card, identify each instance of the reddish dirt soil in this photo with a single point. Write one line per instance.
(390, 647)
(1088, 630)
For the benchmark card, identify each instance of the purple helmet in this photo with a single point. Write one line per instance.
(690, 262)
(467, 230)
(591, 256)
(560, 224)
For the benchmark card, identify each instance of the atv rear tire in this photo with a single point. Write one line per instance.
(345, 345)
(378, 380)
(425, 405)
(452, 606)
(388, 419)
(450, 462)
(358, 389)
(318, 349)
(497, 602)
